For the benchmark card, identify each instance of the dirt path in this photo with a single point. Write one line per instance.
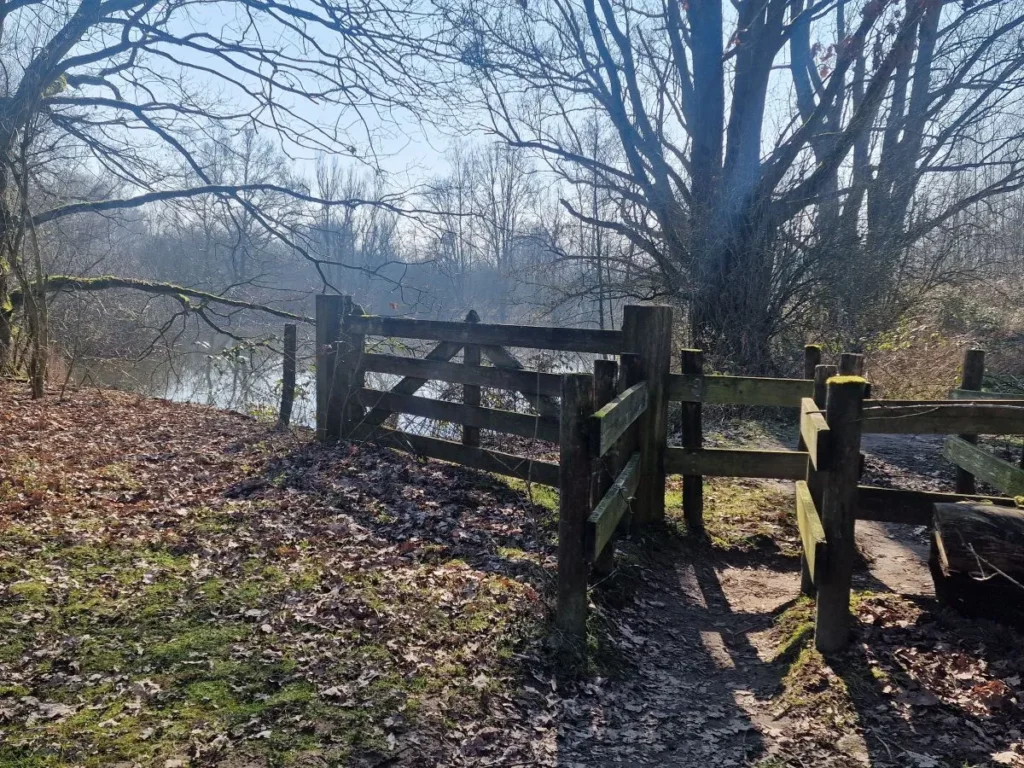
(698, 692)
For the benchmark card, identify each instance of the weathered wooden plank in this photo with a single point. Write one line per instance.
(543, 472)
(458, 413)
(973, 394)
(715, 389)
(500, 357)
(815, 434)
(410, 385)
(1007, 477)
(470, 392)
(812, 534)
(972, 377)
(735, 462)
(605, 518)
(611, 421)
(284, 414)
(943, 417)
(534, 336)
(896, 505)
(498, 378)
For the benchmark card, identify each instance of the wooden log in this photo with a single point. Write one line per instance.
(812, 534)
(612, 420)
(1000, 474)
(851, 364)
(692, 364)
(942, 417)
(329, 401)
(972, 377)
(493, 419)
(497, 378)
(843, 412)
(533, 336)
(603, 521)
(606, 468)
(542, 472)
(816, 435)
(574, 508)
(977, 560)
(716, 389)
(648, 333)
(289, 364)
(736, 462)
(545, 405)
(471, 392)
(896, 505)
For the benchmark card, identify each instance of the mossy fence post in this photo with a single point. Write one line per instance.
(844, 410)
(692, 362)
(470, 392)
(648, 333)
(289, 361)
(971, 379)
(329, 402)
(574, 506)
(815, 478)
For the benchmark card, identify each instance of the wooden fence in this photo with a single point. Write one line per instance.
(611, 426)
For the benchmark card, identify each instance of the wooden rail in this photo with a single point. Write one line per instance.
(479, 417)
(896, 505)
(533, 336)
(815, 434)
(736, 462)
(610, 510)
(1007, 477)
(714, 389)
(940, 417)
(812, 534)
(497, 378)
(543, 472)
(970, 394)
(613, 419)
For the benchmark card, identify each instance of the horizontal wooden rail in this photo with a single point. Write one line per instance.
(497, 378)
(896, 505)
(543, 472)
(611, 421)
(534, 336)
(733, 462)
(812, 534)
(605, 518)
(493, 419)
(943, 417)
(817, 437)
(972, 394)
(1007, 477)
(738, 390)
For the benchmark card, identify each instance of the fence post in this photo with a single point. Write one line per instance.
(648, 332)
(328, 329)
(573, 509)
(284, 416)
(692, 362)
(471, 393)
(815, 479)
(812, 359)
(971, 379)
(843, 412)
(609, 465)
(851, 364)
(350, 376)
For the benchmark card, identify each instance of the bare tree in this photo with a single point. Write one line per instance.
(742, 176)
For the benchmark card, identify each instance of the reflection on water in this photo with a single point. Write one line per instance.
(249, 382)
